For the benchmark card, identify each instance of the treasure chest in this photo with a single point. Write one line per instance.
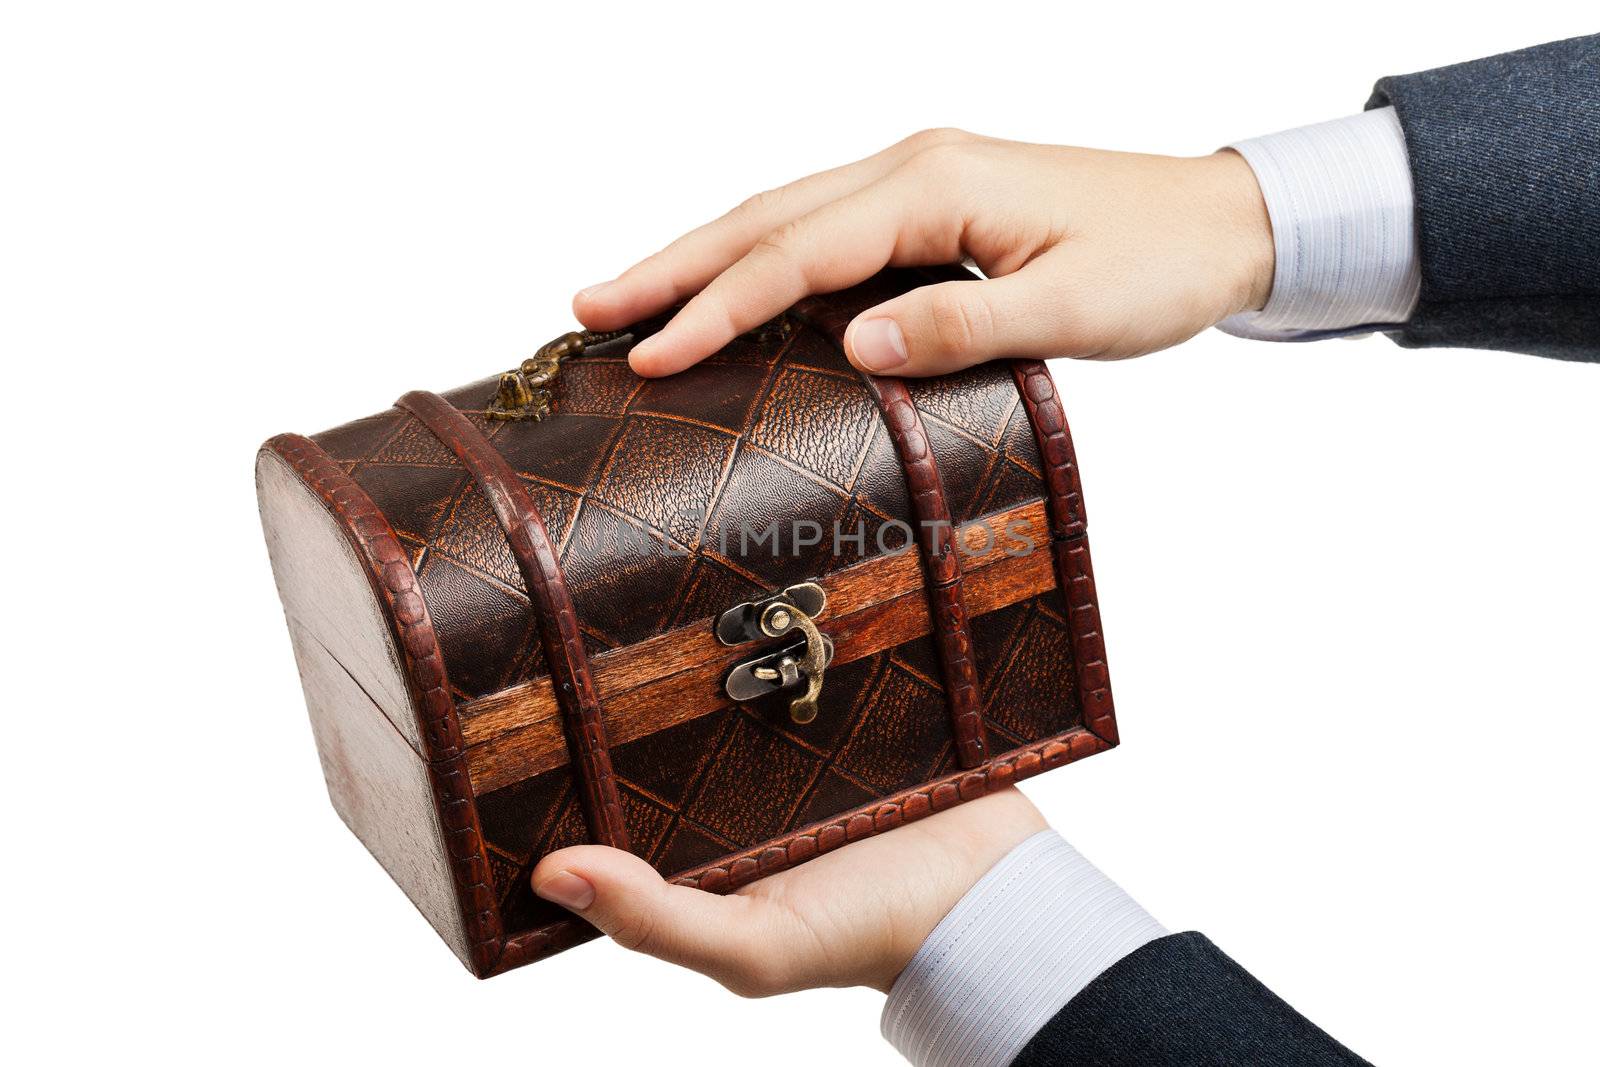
(729, 620)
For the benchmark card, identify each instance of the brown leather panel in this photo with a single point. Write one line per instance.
(395, 583)
(935, 530)
(583, 724)
(646, 488)
(1074, 571)
(981, 438)
(910, 806)
(867, 820)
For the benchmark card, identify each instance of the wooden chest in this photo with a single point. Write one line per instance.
(608, 624)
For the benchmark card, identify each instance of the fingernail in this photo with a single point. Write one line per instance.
(566, 889)
(878, 344)
(593, 290)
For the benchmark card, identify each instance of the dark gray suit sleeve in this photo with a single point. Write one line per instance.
(1505, 161)
(1179, 1002)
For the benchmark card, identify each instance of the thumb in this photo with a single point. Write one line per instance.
(624, 897)
(945, 327)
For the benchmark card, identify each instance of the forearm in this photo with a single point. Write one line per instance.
(1177, 1002)
(1033, 932)
(1505, 161)
(1463, 209)
(1340, 201)
(1047, 961)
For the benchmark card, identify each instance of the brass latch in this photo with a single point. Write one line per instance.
(524, 393)
(789, 666)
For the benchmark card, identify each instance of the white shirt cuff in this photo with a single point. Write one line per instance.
(1343, 226)
(1034, 931)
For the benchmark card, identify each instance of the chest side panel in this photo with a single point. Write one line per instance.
(360, 681)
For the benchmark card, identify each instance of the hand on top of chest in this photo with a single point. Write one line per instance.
(1090, 254)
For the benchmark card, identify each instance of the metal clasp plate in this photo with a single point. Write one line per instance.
(796, 663)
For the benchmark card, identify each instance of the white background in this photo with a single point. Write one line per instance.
(1349, 590)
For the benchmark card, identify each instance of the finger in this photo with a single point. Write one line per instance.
(836, 246)
(941, 328)
(629, 902)
(688, 264)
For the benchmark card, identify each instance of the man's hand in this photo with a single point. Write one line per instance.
(854, 916)
(1100, 255)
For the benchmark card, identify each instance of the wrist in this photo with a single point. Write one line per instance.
(1244, 228)
(955, 858)
(1033, 932)
(1343, 222)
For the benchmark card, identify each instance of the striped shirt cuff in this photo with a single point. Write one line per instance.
(1041, 925)
(1343, 226)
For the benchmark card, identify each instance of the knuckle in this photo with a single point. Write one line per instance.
(960, 323)
(762, 204)
(779, 243)
(939, 161)
(942, 135)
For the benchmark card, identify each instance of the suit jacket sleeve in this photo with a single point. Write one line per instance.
(1505, 163)
(1179, 1002)
(1047, 961)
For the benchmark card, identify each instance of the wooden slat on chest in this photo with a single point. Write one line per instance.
(677, 676)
